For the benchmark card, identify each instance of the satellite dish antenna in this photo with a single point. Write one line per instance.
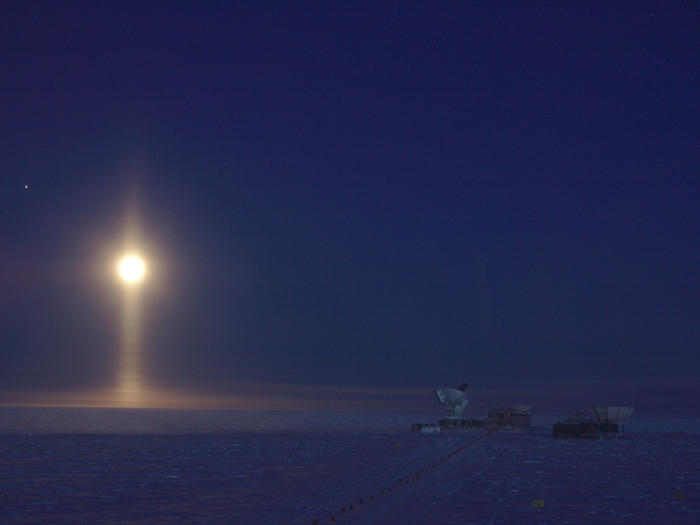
(454, 399)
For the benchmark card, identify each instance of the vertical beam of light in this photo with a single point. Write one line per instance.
(130, 382)
(131, 270)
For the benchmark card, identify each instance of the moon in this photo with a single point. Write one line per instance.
(131, 268)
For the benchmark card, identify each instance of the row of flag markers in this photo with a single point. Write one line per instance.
(344, 510)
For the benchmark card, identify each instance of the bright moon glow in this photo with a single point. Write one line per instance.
(131, 268)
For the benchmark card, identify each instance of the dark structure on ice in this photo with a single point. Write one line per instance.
(425, 428)
(601, 423)
(515, 417)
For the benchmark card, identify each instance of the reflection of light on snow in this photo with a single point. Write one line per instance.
(299, 461)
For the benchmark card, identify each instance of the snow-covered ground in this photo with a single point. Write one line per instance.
(168, 466)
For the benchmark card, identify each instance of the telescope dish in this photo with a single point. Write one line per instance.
(611, 414)
(454, 399)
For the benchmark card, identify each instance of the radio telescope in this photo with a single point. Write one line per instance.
(454, 399)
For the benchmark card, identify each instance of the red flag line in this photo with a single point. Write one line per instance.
(345, 510)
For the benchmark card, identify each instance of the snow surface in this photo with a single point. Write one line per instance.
(171, 466)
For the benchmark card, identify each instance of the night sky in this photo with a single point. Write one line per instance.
(361, 198)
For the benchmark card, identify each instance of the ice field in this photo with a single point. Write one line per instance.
(225, 467)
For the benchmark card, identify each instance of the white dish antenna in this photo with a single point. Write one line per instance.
(611, 414)
(454, 399)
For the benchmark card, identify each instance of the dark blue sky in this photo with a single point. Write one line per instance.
(354, 194)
